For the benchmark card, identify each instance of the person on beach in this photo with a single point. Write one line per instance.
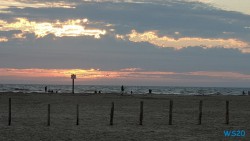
(45, 89)
(122, 89)
(150, 91)
(243, 92)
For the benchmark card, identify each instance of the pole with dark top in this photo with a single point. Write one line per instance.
(141, 113)
(227, 112)
(73, 77)
(112, 114)
(9, 111)
(170, 112)
(73, 86)
(200, 112)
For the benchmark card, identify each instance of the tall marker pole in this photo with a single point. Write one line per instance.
(73, 77)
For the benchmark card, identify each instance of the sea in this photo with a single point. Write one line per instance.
(38, 88)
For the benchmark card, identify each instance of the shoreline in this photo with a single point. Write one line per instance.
(157, 90)
(126, 94)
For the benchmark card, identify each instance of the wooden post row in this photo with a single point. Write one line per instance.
(141, 113)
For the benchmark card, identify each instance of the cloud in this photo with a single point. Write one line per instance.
(231, 75)
(4, 11)
(184, 42)
(228, 5)
(5, 4)
(69, 28)
(120, 37)
(131, 69)
(123, 1)
(3, 39)
(19, 36)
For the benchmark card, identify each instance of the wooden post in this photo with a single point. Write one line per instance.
(141, 113)
(9, 111)
(170, 112)
(227, 112)
(48, 122)
(200, 112)
(112, 114)
(77, 114)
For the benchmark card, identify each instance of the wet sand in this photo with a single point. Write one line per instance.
(29, 117)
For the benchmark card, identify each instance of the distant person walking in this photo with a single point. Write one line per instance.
(243, 92)
(122, 89)
(150, 91)
(45, 89)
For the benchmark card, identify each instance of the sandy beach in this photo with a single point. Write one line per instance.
(29, 117)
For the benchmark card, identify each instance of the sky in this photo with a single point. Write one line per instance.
(203, 43)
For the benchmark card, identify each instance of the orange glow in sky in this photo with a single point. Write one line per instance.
(127, 73)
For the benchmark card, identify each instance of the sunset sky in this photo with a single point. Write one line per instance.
(125, 42)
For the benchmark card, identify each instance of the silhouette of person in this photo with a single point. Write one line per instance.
(131, 92)
(149, 91)
(243, 92)
(45, 89)
(122, 89)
